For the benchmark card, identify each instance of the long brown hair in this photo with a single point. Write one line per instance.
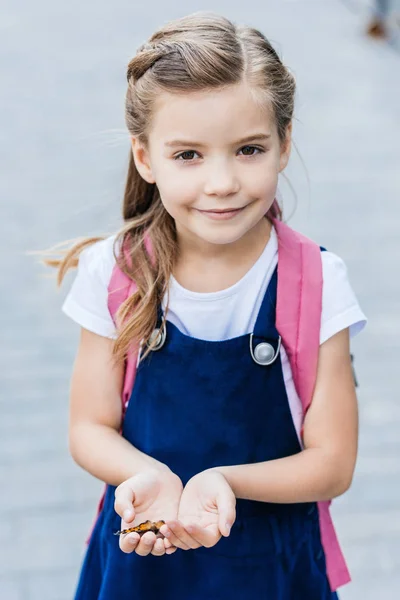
(197, 52)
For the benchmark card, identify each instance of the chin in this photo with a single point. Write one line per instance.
(222, 237)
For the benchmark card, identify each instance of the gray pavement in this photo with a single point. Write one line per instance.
(63, 153)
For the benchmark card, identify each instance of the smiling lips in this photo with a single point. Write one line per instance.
(221, 214)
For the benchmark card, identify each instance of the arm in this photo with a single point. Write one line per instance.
(95, 415)
(325, 468)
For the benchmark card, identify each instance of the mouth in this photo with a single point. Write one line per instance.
(221, 213)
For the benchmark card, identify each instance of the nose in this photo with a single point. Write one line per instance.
(221, 180)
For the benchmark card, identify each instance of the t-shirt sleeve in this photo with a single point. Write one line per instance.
(87, 300)
(340, 308)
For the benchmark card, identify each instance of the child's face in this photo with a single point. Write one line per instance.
(215, 182)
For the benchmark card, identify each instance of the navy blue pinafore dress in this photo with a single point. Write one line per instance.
(198, 404)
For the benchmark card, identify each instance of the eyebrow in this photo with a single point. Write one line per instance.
(190, 143)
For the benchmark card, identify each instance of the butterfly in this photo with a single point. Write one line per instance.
(153, 526)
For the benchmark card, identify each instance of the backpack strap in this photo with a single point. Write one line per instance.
(299, 306)
(298, 320)
(120, 288)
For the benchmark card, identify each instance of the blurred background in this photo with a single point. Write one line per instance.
(63, 157)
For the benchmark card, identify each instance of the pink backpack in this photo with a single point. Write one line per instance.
(298, 321)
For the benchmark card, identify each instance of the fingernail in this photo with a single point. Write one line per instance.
(132, 540)
(228, 527)
(167, 534)
(127, 514)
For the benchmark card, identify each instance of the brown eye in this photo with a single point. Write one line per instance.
(186, 156)
(249, 150)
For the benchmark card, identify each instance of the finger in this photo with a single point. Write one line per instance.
(176, 534)
(183, 535)
(204, 537)
(226, 504)
(167, 543)
(172, 538)
(123, 505)
(158, 548)
(128, 543)
(146, 544)
(169, 548)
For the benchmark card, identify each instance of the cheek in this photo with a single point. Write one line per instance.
(262, 185)
(177, 191)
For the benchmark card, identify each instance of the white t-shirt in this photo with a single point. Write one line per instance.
(221, 315)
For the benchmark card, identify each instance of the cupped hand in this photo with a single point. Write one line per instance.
(149, 495)
(207, 511)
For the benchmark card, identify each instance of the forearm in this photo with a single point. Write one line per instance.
(309, 476)
(104, 453)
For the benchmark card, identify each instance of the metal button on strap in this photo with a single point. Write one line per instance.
(158, 338)
(264, 353)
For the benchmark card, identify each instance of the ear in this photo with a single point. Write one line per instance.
(286, 147)
(142, 160)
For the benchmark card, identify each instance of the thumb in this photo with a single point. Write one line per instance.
(124, 499)
(226, 504)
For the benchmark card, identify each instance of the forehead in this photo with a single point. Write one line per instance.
(211, 116)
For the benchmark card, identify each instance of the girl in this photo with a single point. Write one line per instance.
(209, 442)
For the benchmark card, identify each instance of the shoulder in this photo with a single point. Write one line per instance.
(334, 272)
(340, 307)
(87, 300)
(334, 268)
(98, 260)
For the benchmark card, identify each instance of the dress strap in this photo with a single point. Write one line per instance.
(159, 335)
(265, 341)
(265, 323)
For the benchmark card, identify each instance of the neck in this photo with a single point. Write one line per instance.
(205, 267)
